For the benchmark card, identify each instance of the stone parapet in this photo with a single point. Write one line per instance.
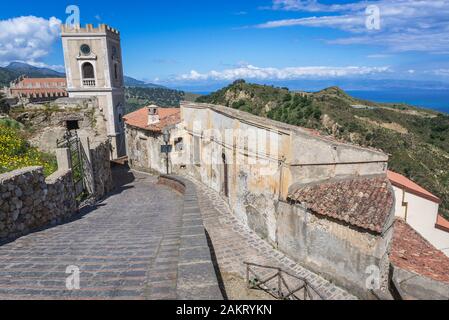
(197, 279)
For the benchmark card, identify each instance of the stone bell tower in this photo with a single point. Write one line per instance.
(94, 68)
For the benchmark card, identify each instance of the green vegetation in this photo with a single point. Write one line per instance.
(137, 98)
(417, 139)
(16, 153)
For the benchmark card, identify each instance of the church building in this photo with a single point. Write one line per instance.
(94, 68)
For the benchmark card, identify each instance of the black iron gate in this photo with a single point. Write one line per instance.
(72, 142)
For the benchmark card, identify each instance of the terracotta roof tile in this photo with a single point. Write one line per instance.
(402, 182)
(442, 224)
(167, 116)
(364, 202)
(411, 252)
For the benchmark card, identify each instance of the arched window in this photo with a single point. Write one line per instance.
(88, 71)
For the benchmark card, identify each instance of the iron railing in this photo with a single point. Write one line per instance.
(280, 284)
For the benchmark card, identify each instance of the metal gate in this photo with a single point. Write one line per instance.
(72, 142)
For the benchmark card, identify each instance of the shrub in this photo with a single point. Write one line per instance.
(16, 153)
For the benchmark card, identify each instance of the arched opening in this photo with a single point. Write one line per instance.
(88, 71)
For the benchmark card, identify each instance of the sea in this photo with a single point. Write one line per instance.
(437, 100)
(434, 99)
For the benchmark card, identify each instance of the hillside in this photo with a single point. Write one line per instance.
(416, 139)
(137, 97)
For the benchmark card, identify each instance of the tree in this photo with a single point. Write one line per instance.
(4, 106)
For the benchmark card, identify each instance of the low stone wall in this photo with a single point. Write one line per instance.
(28, 201)
(197, 278)
(173, 183)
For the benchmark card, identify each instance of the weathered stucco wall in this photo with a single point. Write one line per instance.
(29, 201)
(144, 151)
(335, 250)
(412, 286)
(253, 161)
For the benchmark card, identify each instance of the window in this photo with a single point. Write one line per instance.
(116, 71)
(88, 71)
(85, 50)
(179, 144)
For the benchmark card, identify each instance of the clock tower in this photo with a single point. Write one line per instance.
(94, 68)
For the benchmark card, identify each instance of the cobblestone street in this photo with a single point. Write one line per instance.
(235, 244)
(126, 248)
(145, 241)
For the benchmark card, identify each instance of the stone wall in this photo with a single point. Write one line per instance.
(28, 201)
(341, 253)
(101, 169)
(413, 286)
(48, 122)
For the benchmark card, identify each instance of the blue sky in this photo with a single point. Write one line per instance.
(173, 42)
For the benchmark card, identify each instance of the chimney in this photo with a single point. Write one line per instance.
(153, 115)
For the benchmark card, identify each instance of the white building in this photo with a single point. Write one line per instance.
(93, 63)
(420, 208)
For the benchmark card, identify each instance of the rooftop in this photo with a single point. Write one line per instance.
(442, 224)
(408, 185)
(411, 252)
(362, 202)
(167, 117)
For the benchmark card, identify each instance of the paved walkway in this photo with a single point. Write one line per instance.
(235, 244)
(128, 247)
(145, 241)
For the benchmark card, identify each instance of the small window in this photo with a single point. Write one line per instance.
(85, 50)
(72, 125)
(116, 71)
(179, 144)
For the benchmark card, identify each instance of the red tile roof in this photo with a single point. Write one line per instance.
(408, 185)
(167, 116)
(442, 224)
(365, 202)
(410, 251)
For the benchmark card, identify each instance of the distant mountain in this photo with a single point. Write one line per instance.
(31, 71)
(314, 85)
(131, 82)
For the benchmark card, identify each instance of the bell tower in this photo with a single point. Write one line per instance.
(94, 68)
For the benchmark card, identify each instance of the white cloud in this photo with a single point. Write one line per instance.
(441, 72)
(420, 25)
(27, 39)
(291, 73)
